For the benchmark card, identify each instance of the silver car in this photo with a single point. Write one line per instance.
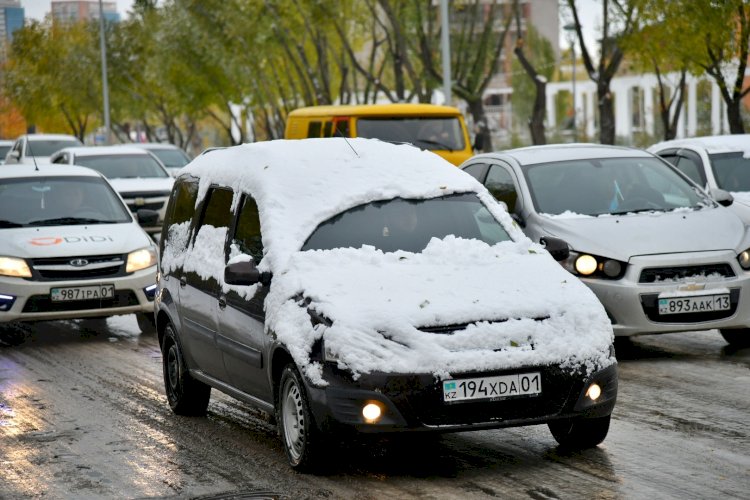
(659, 253)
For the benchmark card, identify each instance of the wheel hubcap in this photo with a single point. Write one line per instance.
(172, 367)
(293, 420)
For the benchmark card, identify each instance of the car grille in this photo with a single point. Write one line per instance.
(60, 268)
(557, 386)
(150, 206)
(655, 274)
(43, 303)
(650, 304)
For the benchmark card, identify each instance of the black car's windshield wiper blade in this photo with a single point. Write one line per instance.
(68, 220)
(7, 224)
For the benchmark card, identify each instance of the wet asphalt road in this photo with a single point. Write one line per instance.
(84, 415)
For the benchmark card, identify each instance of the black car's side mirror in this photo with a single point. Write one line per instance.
(245, 274)
(147, 217)
(722, 197)
(558, 249)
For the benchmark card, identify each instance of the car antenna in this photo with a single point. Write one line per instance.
(338, 130)
(33, 158)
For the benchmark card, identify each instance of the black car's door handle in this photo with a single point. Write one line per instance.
(183, 282)
(222, 302)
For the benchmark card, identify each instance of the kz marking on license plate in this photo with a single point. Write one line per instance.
(499, 387)
(695, 304)
(82, 293)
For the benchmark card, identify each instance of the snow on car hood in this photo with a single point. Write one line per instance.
(142, 184)
(63, 241)
(517, 307)
(622, 237)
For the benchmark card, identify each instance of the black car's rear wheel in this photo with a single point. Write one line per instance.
(737, 338)
(186, 395)
(302, 439)
(580, 433)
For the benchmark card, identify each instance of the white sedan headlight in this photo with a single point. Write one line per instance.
(140, 259)
(11, 266)
(593, 266)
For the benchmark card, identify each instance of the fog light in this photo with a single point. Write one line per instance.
(586, 264)
(6, 302)
(150, 291)
(744, 259)
(594, 392)
(371, 412)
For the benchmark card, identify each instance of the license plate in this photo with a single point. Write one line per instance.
(499, 387)
(695, 304)
(82, 293)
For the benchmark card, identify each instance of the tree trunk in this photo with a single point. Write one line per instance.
(536, 123)
(606, 114)
(733, 116)
(476, 108)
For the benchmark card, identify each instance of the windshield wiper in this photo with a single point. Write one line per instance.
(69, 220)
(638, 211)
(436, 143)
(8, 224)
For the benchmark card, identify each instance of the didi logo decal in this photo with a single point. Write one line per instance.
(47, 241)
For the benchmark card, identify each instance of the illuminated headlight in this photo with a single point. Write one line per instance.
(744, 259)
(592, 266)
(10, 266)
(594, 392)
(586, 264)
(371, 412)
(140, 259)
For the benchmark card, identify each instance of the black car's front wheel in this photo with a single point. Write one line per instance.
(580, 433)
(298, 431)
(186, 395)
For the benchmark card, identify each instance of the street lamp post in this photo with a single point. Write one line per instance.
(571, 28)
(105, 87)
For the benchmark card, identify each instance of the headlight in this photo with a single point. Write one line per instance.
(583, 264)
(744, 259)
(140, 259)
(11, 266)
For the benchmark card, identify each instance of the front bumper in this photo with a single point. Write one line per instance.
(26, 300)
(632, 304)
(414, 402)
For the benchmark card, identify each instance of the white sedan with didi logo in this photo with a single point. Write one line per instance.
(70, 248)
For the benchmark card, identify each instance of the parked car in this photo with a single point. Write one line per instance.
(172, 157)
(657, 251)
(37, 148)
(375, 288)
(69, 248)
(136, 174)
(440, 129)
(721, 164)
(4, 148)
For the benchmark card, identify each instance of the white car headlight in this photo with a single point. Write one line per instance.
(593, 266)
(140, 259)
(11, 266)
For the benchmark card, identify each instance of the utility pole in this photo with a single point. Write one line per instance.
(571, 28)
(105, 86)
(446, 46)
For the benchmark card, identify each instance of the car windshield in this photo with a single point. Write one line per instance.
(426, 133)
(53, 201)
(48, 147)
(409, 225)
(171, 158)
(123, 166)
(732, 171)
(610, 186)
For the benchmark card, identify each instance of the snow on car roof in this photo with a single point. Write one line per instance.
(48, 137)
(46, 170)
(298, 184)
(125, 149)
(712, 144)
(564, 152)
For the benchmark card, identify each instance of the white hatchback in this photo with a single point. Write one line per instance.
(69, 248)
(136, 174)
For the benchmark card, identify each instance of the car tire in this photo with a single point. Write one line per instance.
(146, 323)
(737, 338)
(186, 395)
(301, 437)
(580, 433)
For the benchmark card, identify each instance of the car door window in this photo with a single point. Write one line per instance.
(179, 214)
(502, 186)
(477, 170)
(313, 129)
(247, 235)
(691, 165)
(206, 258)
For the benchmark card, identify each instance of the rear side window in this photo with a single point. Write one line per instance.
(247, 236)
(313, 129)
(218, 213)
(179, 211)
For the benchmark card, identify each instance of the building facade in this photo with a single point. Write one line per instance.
(11, 18)
(78, 10)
